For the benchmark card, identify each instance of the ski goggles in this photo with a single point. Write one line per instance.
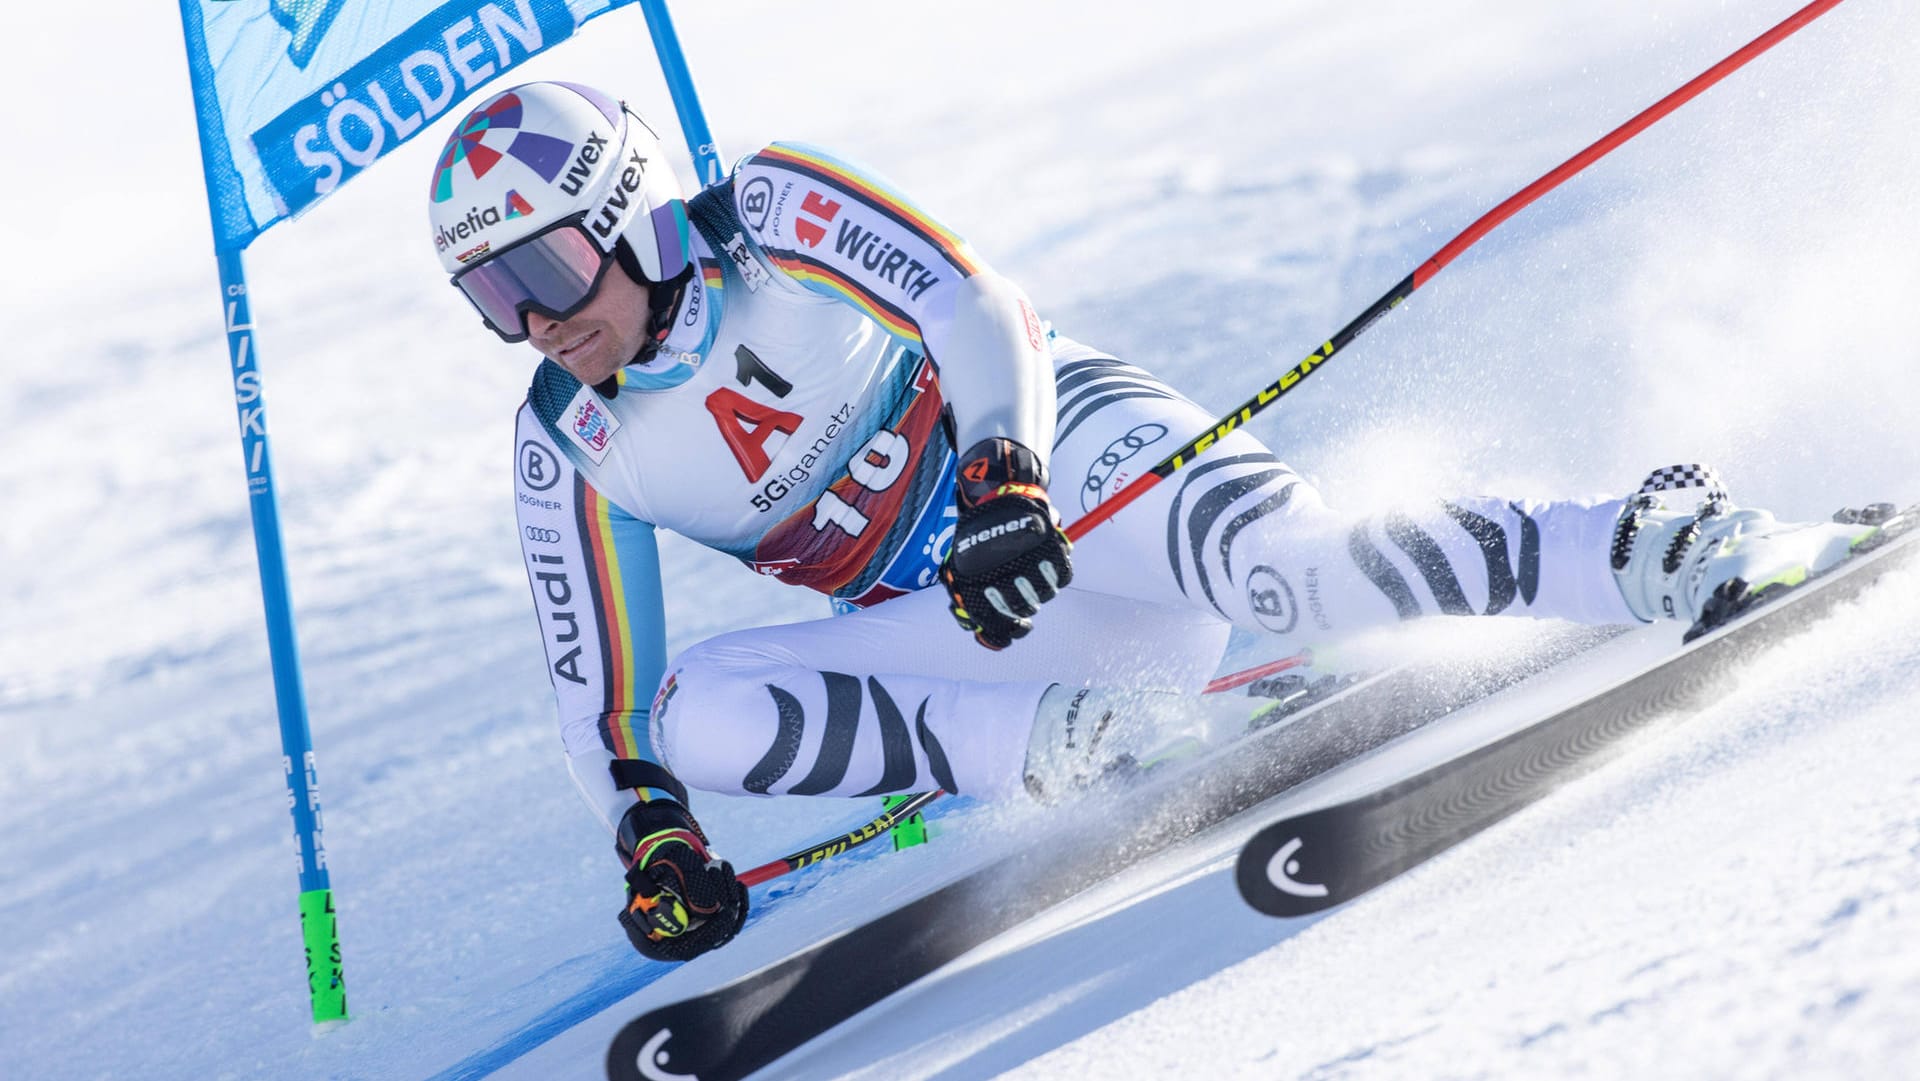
(555, 272)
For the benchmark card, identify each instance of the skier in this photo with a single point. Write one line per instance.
(802, 369)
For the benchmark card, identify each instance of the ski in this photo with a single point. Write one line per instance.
(1322, 858)
(743, 1025)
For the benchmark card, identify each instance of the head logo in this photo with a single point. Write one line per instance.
(494, 133)
(653, 1058)
(1282, 868)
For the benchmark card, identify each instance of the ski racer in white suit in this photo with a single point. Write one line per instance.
(801, 368)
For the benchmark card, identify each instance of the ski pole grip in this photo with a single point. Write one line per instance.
(326, 982)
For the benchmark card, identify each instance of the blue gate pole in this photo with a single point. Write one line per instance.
(686, 100)
(326, 984)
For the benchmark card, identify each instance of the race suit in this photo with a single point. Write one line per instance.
(834, 346)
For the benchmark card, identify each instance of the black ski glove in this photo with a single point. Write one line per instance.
(681, 902)
(1009, 556)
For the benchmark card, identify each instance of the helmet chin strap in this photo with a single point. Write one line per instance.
(663, 301)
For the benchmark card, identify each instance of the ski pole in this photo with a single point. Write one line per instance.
(1425, 272)
(828, 849)
(1258, 671)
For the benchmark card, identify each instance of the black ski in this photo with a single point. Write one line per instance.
(745, 1024)
(1322, 858)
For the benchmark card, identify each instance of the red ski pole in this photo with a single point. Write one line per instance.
(1424, 273)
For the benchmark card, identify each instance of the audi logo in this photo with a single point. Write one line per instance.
(543, 536)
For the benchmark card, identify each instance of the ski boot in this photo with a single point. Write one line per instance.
(1683, 551)
(1091, 737)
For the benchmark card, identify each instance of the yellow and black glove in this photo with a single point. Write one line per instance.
(681, 902)
(1009, 556)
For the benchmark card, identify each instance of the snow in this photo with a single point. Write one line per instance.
(1209, 193)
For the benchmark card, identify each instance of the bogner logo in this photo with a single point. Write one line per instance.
(1271, 599)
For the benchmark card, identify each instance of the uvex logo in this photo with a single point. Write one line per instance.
(613, 210)
(583, 163)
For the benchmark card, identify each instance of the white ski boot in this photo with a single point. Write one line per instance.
(1087, 737)
(1683, 551)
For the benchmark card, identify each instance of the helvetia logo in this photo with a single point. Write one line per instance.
(481, 218)
(1283, 866)
(652, 1059)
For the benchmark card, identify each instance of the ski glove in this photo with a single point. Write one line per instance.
(681, 902)
(1009, 556)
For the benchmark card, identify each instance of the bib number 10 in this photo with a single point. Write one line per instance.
(875, 467)
(747, 425)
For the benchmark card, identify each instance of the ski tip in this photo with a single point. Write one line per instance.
(645, 1050)
(1281, 872)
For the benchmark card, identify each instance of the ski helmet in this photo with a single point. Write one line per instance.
(540, 189)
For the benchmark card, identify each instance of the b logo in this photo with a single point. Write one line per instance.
(756, 199)
(539, 469)
(1271, 599)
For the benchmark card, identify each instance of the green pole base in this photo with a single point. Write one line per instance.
(326, 982)
(909, 831)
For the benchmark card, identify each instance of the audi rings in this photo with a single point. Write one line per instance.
(1118, 451)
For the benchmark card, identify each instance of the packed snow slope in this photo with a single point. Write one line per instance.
(1208, 190)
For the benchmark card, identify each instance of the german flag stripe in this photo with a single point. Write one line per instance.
(824, 278)
(828, 170)
(610, 603)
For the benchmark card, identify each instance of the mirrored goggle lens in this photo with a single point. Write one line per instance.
(554, 272)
